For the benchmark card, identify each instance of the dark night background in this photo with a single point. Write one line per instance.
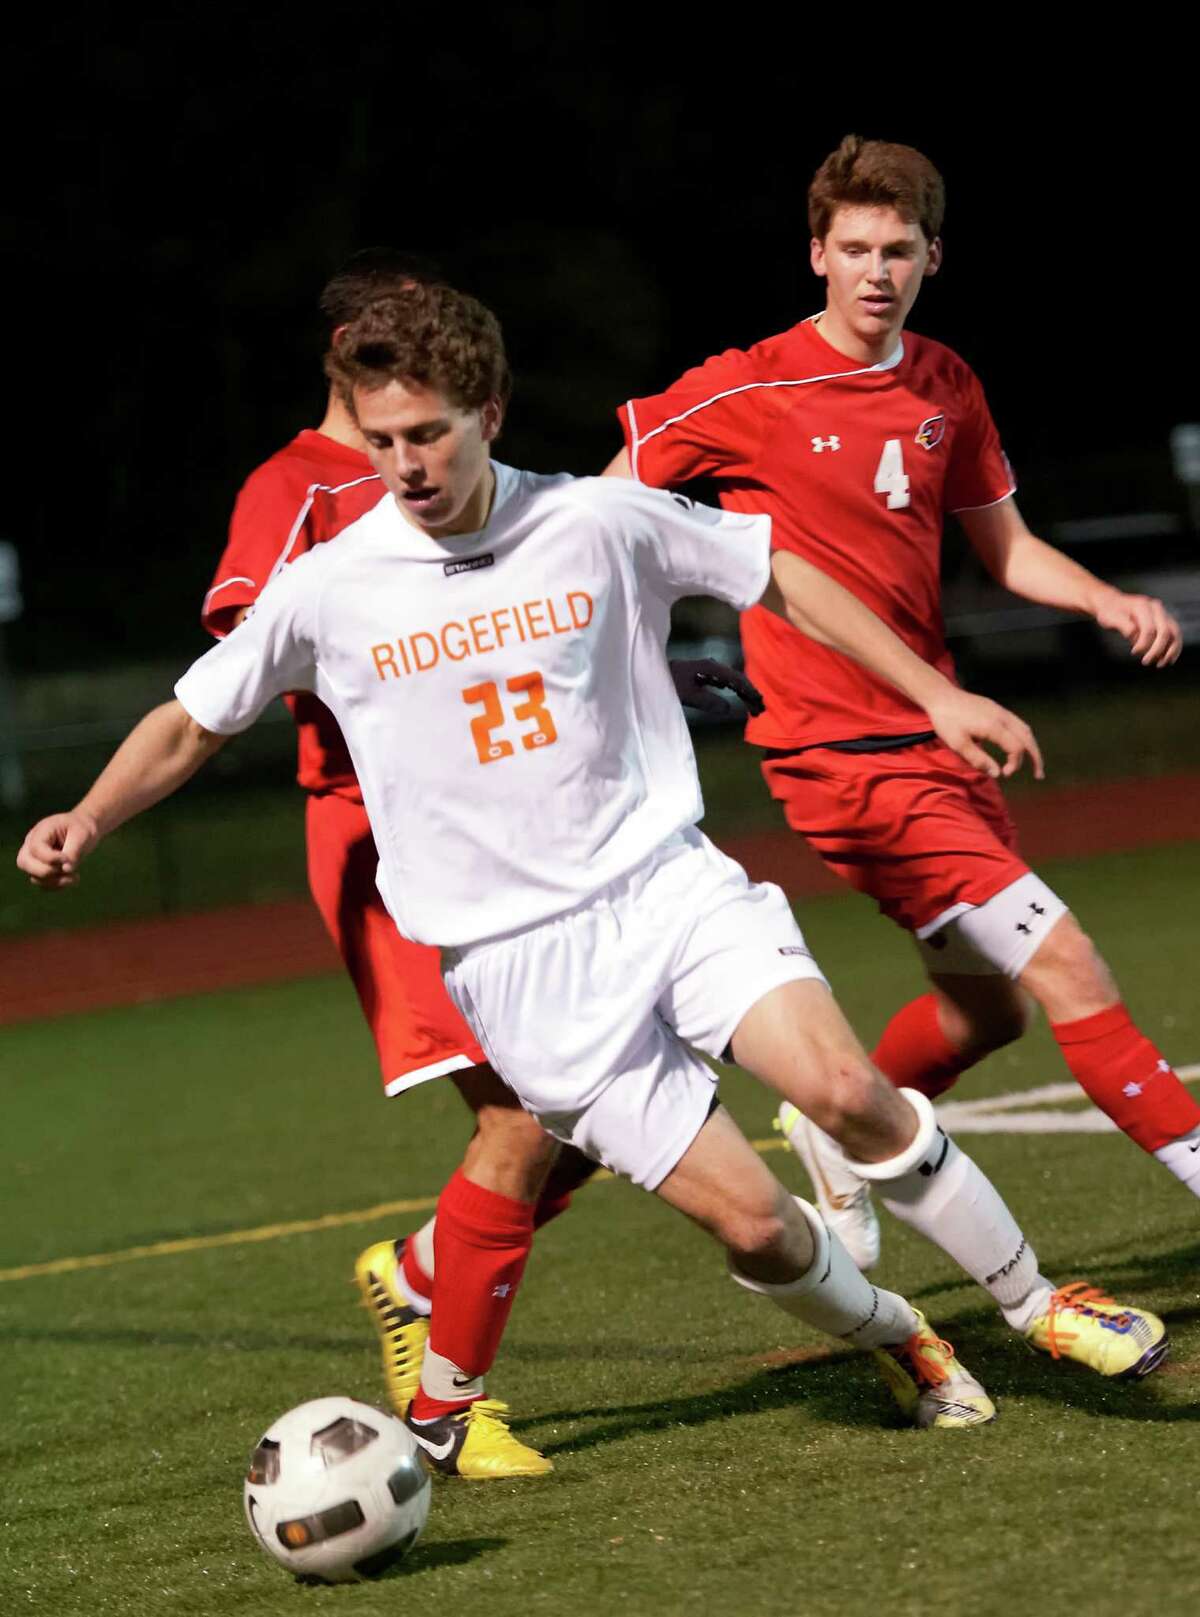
(183, 185)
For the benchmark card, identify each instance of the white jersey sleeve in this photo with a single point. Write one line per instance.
(682, 548)
(270, 652)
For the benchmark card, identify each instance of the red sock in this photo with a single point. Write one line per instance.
(1126, 1076)
(914, 1052)
(415, 1278)
(549, 1205)
(481, 1241)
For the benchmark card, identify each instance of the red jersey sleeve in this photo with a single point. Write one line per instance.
(708, 424)
(264, 530)
(979, 473)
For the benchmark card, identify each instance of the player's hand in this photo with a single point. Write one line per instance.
(51, 853)
(697, 683)
(965, 721)
(1152, 633)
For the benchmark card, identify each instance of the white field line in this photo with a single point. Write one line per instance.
(1007, 1114)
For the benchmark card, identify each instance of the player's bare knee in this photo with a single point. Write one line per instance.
(847, 1092)
(752, 1234)
(515, 1133)
(1068, 973)
(1003, 1024)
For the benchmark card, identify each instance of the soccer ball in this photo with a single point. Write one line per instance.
(336, 1491)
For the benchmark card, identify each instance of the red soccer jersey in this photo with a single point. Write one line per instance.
(306, 493)
(857, 466)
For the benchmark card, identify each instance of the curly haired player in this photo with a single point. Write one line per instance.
(514, 1179)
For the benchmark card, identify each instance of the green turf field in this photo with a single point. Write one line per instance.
(710, 1455)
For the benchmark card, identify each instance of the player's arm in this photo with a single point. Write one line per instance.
(161, 752)
(821, 608)
(696, 683)
(1034, 570)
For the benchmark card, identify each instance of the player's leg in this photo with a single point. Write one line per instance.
(490, 1207)
(600, 1067)
(779, 1247)
(930, 1042)
(794, 1037)
(1023, 945)
(1121, 1070)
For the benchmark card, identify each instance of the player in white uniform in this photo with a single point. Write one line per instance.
(492, 645)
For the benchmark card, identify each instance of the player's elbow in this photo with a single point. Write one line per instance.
(190, 736)
(202, 741)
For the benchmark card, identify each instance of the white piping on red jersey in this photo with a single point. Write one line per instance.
(957, 510)
(803, 381)
(217, 588)
(293, 533)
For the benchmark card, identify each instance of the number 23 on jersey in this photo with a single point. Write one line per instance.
(491, 747)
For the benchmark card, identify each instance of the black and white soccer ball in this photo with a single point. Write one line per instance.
(337, 1491)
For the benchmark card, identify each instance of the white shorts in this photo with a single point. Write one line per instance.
(588, 1017)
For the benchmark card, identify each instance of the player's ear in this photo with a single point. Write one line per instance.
(934, 262)
(816, 255)
(491, 419)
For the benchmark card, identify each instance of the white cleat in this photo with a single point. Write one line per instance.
(843, 1198)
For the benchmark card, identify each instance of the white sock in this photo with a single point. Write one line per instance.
(937, 1189)
(1182, 1158)
(444, 1380)
(423, 1242)
(835, 1297)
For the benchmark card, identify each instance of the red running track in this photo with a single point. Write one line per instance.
(132, 962)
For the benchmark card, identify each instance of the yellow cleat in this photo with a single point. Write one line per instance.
(1110, 1338)
(402, 1331)
(475, 1442)
(930, 1385)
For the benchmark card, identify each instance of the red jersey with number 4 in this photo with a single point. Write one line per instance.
(857, 467)
(304, 495)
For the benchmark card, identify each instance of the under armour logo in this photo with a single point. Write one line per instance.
(1038, 909)
(501, 1291)
(1021, 927)
(1131, 1090)
(833, 442)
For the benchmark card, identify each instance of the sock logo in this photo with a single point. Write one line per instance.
(501, 1291)
(1134, 1090)
(927, 1168)
(464, 1381)
(1009, 1266)
(863, 1323)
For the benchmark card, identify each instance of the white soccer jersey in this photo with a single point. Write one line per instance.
(504, 694)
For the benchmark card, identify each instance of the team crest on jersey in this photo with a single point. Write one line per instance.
(931, 432)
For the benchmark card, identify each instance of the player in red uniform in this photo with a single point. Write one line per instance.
(858, 441)
(302, 496)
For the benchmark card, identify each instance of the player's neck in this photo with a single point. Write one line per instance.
(867, 351)
(473, 517)
(338, 424)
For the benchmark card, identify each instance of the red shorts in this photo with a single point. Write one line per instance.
(917, 829)
(418, 1032)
